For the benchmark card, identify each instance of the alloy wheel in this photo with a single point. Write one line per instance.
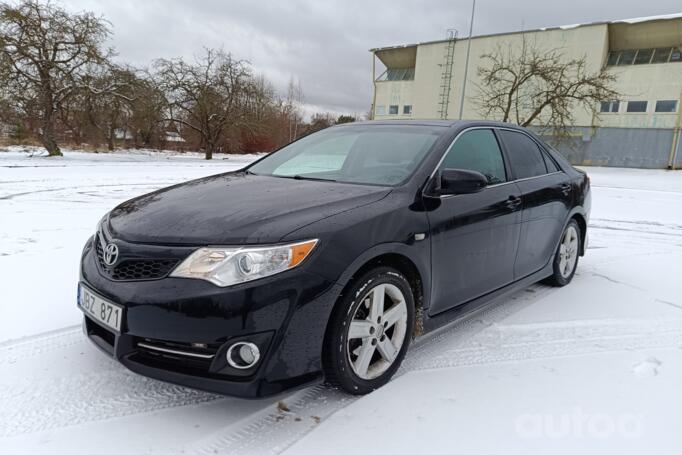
(377, 331)
(568, 251)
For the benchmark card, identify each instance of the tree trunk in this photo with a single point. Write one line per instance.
(210, 146)
(111, 136)
(47, 137)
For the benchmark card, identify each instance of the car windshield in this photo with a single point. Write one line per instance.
(365, 154)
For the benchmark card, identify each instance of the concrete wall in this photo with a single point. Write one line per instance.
(424, 92)
(609, 139)
(648, 82)
(647, 148)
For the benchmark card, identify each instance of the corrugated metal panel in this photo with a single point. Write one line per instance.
(618, 147)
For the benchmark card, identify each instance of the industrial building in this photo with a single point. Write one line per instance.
(641, 129)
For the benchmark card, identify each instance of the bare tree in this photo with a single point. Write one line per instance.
(319, 121)
(47, 51)
(530, 85)
(210, 96)
(345, 118)
(292, 107)
(99, 110)
(148, 111)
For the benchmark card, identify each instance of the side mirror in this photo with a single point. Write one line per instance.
(460, 181)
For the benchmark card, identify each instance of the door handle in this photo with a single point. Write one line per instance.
(513, 202)
(566, 189)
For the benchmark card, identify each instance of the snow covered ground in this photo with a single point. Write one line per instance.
(594, 367)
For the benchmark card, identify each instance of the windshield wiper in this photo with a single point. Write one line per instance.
(300, 177)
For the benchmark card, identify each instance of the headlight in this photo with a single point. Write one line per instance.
(228, 266)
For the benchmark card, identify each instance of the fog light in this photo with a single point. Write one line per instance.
(243, 355)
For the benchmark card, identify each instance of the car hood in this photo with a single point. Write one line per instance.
(234, 208)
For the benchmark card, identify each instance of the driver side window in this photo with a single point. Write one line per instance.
(477, 150)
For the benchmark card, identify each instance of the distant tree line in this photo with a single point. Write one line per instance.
(59, 84)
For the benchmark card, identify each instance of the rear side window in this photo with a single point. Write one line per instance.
(551, 165)
(477, 150)
(524, 155)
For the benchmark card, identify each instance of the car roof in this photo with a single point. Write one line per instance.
(435, 122)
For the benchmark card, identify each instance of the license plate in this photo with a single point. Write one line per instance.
(99, 309)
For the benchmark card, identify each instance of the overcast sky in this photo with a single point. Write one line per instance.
(324, 43)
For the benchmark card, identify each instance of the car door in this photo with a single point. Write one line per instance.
(474, 237)
(547, 195)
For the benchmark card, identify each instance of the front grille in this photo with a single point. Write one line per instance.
(134, 269)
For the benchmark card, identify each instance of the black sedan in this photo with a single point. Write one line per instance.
(325, 258)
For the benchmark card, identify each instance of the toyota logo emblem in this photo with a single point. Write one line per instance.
(110, 254)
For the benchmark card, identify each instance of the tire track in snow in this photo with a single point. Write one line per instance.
(273, 430)
(534, 342)
(101, 391)
(111, 391)
(107, 390)
(477, 340)
(14, 350)
(80, 398)
(151, 185)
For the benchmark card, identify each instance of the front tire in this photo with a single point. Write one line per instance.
(369, 331)
(566, 256)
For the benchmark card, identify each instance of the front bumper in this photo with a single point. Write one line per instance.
(285, 315)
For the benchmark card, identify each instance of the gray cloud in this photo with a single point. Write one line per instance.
(325, 44)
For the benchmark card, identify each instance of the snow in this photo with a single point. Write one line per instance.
(593, 367)
(49, 207)
(636, 20)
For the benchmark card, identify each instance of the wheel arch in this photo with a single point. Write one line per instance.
(582, 224)
(405, 262)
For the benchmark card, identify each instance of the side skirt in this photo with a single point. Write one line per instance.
(473, 306)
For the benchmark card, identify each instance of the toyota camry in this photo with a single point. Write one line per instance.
(324, 259)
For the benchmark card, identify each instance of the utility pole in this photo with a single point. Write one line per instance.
(466, 62)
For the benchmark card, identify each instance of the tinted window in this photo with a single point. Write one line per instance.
(477, 150)
(524, 155)
(381, 155)
(549, 162)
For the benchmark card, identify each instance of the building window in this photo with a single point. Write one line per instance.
(397, 74)
(637, 106)
(661, 55)
(666, 106)
(627, 57)
(609, 106)
(393, 109)
(643, 56)
(407, 109)
(380, 110)
(676, 55)
(613, 58)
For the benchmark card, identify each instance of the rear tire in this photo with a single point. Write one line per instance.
(566, 256)
(369, 331)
